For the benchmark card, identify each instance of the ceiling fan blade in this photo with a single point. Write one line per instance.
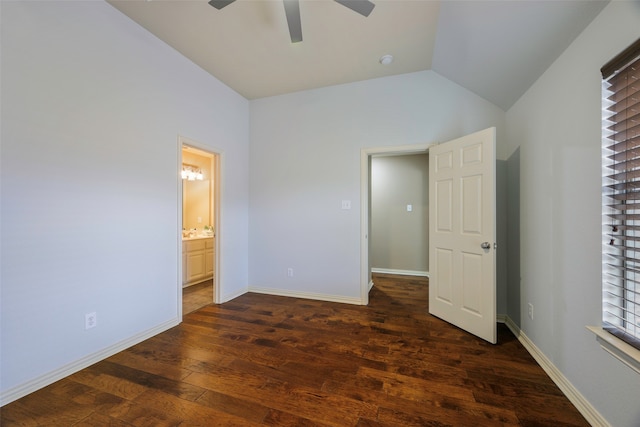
(363, 7)
(292, 10)
(219, 4)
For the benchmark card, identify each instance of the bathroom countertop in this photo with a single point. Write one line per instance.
(197, 237)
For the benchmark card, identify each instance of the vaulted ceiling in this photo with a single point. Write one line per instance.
(496, 49)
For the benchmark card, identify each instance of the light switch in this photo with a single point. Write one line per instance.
(199, 220)
(409, 208)
(346, 204)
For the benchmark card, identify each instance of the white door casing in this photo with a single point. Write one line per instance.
(462, 200)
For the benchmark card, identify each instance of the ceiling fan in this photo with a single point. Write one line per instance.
(292, 10)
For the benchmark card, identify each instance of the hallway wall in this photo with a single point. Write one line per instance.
(399, 238)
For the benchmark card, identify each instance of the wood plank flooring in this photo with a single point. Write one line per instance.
(268, 360)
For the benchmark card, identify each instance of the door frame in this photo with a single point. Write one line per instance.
(365, 205)
(218, 164)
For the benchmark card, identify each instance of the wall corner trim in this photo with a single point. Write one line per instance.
(37, 383)
(229, 297)
(579, 401)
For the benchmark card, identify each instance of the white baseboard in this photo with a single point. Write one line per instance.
(22, 390)
(400, 272)
(370, 284)
(305, 295)
(579, 401)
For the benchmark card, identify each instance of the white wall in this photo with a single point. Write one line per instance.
(557, 126)
(305, 159)
(92, 106)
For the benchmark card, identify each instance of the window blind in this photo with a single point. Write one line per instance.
(621, 195)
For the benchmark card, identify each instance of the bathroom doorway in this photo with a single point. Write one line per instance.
(200, 214)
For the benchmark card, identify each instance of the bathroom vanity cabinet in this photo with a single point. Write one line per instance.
(197, 260)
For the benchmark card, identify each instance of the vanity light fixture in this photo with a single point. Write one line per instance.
(191, 172)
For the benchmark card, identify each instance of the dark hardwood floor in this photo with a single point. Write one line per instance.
(268, 360)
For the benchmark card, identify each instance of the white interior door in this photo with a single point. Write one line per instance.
(462, 223)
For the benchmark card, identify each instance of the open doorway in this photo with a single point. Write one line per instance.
(399, 205)
(200, 172)
(462, 230)
(366, 161)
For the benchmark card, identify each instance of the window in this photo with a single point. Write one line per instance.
(621, 195)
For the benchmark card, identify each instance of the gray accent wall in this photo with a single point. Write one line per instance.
(503, 249)
(399, 238)
(512, 250)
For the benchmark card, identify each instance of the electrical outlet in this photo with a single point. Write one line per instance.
(90, 320)
(530, 307)
(289, 272)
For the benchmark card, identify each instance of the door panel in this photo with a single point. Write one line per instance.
(443, 284)
(472, 155)
(444, 212)
(471, 205)
(471, 295)
(462, 288)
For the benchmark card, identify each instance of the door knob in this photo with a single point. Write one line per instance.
(485, 245)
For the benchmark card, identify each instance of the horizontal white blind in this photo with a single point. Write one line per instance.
(621, 195)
